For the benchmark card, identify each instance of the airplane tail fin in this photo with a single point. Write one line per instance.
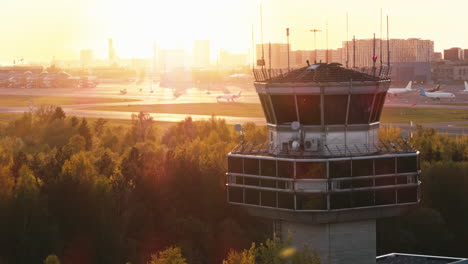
(466, 86)
(240, 92)
(421, 90)
(408, 87)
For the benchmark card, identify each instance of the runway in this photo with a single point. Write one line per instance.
(160, 95)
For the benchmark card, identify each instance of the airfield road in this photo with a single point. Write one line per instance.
(142, 96)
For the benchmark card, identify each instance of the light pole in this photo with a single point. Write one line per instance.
(315, 41)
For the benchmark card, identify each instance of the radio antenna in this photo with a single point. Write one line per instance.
(347, 41)
(388, 45)
(261, 32)
(380, 46)
(253, 48)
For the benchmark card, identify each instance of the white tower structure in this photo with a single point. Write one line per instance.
(324, 176)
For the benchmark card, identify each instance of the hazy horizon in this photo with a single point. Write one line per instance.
(56, 28)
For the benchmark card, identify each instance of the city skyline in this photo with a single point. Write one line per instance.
(62, 28)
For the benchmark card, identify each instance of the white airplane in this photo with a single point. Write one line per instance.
(466, 88)
(396, 91)
(228, 97)
(436, 95)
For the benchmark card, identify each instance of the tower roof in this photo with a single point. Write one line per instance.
(321, 72)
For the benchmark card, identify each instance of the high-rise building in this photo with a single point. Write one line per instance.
(111, 51)
(86, 58)
(229, 60)
(201, 53)
(453, 54)
(401, 50)
(170, 59)
(278, 52)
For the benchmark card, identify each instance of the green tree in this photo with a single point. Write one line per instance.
(85, 132)
(171, 255)
(52, 259)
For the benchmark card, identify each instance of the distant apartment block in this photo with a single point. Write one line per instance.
(201, 53)
(453, 54)
(450, 71)
(401, 50)
(229, 60)
(86, 58)
(275, 54)
(170, 59)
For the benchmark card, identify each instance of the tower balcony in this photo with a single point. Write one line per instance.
(340, 180)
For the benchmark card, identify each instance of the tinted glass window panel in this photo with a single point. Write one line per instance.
(268, 183)
(309, 109)
(268, 168)
(340, 200)
(340, 169)
(311, 170)
(363, 167)
(235, 165)
(236, 195)
(360, 108)
(335, 109)
(265, 101)
(384, 166)
(252, 196)
(407, 195)
(363, 198)
(311, 201)
(285, 169)
(383, 197)
(285, 200)
(362, 183)
(269, 198)
(251, 181)
(239, 180)
(378, 105)
(407, 164)
(385, 181)
(285, 108)
(251, 166)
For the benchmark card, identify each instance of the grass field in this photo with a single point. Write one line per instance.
(389, 115)
(5, 118)
(423, 115)
(26, 100)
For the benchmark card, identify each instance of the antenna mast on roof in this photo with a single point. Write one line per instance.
(347, 41)
(354, 51)
(380, 46)
(326, 55)
(388, 46)
(287, 35)
(253, 48)
(261, 32)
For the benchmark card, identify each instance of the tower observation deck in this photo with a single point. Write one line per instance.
(324, 175)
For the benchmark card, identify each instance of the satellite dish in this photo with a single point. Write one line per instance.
(295, 125)
(295, 145)
(238, 127)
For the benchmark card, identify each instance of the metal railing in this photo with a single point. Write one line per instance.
(322, 74)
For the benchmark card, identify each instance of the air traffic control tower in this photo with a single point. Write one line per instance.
(324, 176)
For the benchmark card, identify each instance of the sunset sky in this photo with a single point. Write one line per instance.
(39, 30)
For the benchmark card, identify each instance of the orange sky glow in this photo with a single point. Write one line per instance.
(40, 30)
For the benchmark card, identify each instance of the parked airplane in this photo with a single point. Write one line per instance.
(228, 97)
(435, 89)
(435, 95)
(396, 91)
(466, 88)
